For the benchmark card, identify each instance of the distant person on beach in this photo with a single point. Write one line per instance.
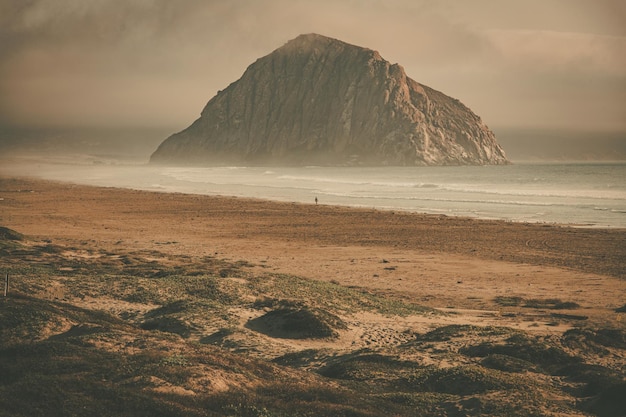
(316, 200)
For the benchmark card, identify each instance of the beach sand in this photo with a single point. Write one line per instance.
(422, 295)
(441, 262)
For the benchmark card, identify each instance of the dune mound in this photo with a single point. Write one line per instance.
(10, 234)
(298, 323)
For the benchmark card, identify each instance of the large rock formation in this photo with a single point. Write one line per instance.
(317, 100)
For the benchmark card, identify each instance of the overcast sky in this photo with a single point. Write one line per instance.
(529, 63)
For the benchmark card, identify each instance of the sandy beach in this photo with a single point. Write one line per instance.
(462, 261)
(537, 278)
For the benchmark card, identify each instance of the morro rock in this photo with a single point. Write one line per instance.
(320, 101)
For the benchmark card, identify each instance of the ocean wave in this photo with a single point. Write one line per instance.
(322, 180)
(569, 196)
(546, 193)
(360, 182)
(491, 189)
(456, 200)
(375, 180)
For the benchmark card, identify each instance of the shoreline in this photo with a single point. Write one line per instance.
(439, 193)
(595, 250)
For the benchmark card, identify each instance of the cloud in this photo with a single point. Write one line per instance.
(160, 61)
(542, 50)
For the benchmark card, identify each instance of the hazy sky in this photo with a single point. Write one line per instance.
(533, 63)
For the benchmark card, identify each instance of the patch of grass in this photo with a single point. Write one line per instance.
(507, 363)
(462, 380)
(178, 306)
(304, 397)
(508, 301)
(595, 339)
(175, 360)
(10, 234)
(544, 355)
(576, 317)
(36, 395)
(142, 294)
(209, 291)
(446, 333)
(304, 358)
(262, 303)
(611, 402)
(548, 303)
(25, 319)
(551, 304)
(59, 378)
(373, 367)
(423, 403)
(330, 296)
(596, 378)
(20, 322)
(219, 336)
(169, 325)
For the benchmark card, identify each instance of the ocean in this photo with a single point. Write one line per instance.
(579, 194)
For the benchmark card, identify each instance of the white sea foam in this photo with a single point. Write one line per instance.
(562, 193)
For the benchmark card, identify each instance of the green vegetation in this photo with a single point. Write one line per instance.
(446, 333)
(550, 303)
(543, 353)
(508, 301)
(333, 297)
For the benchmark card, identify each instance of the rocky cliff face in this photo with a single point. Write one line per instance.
(317, 100)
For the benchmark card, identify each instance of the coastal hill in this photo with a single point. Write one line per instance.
(318, 100)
